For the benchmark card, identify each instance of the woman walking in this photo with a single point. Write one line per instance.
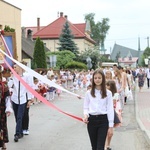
(98, 111)
(5, 110)
(141, 78)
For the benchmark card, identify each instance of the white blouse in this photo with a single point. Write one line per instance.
(98, 105)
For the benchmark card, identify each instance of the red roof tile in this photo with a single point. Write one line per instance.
(80, 26)
(34, 29)
(53, 30)
(127, 60)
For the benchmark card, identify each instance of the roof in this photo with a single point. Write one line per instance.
(110, 64)
(28, 47)
(124, 51)
(128, 60)
(34, 29)
(54, 29)
(80, 26)
(10, 4)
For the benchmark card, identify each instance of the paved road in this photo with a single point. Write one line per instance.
(51, 130)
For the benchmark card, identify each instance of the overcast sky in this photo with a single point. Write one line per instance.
(129, 19)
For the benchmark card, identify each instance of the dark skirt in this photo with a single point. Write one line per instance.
(3, 121)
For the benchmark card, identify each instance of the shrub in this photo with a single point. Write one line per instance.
(75, 65)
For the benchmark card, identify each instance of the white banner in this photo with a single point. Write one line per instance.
(37, 75)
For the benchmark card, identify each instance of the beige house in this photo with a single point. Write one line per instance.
(10, 15)
(50, 33)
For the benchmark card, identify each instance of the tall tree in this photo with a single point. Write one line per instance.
(145, 55)
(66, 40)
(39, 56)
(99, 30)
(93, 54)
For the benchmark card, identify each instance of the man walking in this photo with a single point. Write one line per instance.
(19, 99)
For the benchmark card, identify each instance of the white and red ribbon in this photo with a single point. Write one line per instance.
(40, 77)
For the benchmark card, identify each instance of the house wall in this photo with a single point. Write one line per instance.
(11, 16)
(133, 65)
(82, 44)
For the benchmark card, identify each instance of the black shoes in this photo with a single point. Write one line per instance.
(20, 136)
(17, 137)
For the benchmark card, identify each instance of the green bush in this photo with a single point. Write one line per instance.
(75, 65)
(8, 29)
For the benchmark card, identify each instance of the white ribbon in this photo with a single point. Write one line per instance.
(37, 75)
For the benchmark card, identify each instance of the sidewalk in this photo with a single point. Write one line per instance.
(142, 103)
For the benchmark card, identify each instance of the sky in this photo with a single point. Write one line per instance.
(129, 20)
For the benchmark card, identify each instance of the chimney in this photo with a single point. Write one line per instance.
(61, 14)
(38, 24)
(29, 34)
(66, 16)
(23, 31)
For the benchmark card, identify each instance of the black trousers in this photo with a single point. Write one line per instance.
(148, 82)
(97, 129)
(25, 121)
(19, 113)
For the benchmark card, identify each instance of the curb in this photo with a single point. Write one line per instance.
(145, 132)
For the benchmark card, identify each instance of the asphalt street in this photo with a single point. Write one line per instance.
(52, 130)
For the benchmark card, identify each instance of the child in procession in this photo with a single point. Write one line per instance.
(98, 111)
(111, 85)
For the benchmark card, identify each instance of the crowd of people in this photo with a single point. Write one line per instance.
(107, 91)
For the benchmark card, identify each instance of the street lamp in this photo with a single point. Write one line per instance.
(148, 60)
(89, 64)
(53, 60)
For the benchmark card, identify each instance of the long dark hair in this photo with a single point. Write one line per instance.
(103, 86)
(112, 85)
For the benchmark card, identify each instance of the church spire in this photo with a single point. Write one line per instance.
(139, 47)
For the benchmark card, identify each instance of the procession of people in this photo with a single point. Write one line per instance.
(107, 91)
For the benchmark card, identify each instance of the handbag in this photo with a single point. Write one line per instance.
(130, 95)
(116, 118)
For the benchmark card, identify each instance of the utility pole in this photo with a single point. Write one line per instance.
(139, 44)
(148, 41)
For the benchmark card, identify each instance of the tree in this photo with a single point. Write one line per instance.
(145, 55)
(146, 52)
(63, 57)
(39, 56)
(93, 54)
(76, 65)
(66, 40)
(99, 30)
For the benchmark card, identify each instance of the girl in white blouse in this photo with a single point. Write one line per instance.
(98, 111)
(111, 85)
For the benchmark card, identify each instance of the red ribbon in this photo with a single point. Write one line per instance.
(38, 96)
